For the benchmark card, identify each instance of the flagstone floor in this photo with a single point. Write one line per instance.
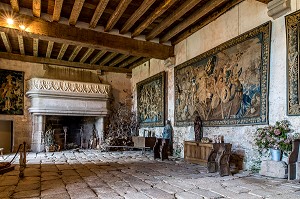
(131, 175)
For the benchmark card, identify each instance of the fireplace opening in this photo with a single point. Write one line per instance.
(70, 132)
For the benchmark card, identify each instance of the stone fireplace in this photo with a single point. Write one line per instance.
(70, 103)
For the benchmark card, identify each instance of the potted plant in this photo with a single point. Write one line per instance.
(276, 137)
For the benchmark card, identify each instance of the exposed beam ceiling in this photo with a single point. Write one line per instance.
(15, 5)
(98, 12)
(57, 10)
(76, 12)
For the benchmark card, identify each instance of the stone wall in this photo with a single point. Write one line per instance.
(245, 16)
(22, 124)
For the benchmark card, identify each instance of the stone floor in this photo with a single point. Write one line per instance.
(131, 175)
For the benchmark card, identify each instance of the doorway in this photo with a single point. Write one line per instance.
(6, 135)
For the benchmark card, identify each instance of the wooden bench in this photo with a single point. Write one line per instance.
(294, 161)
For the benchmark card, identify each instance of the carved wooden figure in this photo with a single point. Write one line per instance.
(218, 159)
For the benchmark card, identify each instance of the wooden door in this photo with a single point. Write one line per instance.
(6, 135)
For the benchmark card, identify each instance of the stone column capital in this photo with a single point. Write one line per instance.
(278, 8)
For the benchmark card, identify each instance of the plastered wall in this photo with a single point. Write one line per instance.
(245, 16)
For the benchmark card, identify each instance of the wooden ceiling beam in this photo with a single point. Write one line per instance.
(97, 56)
(15, 5)
(35, 47)
(194, 28)
(157, 12)
(75, 53)
(86, 55)
(36, 8)
(108, 58)
(140, 62)
(57, 10)
(179, 12)
(21, 44)
(6, 42)
(116, 15)
(62, 51)
(136, 15)
(49, 49)
(98, 12)
(62, 33)
(42, 60)
(202, 11)
(118, 60)
(128, 62)
(78, 4)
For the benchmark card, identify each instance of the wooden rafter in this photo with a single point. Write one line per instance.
(41, 60)
(118, 60)
(49, 49)
(86, 55)
(57, 10)
(6, 42)
(21, 44)
(128, 62)
(179, 12)
(108, 58)
(157, 12)
(98, 12)
(15, 5)
(74, 53)
(98, 56)
(209, 6)
(78, 4)
(35, 47)
(191, 30)
(136, 15)
(62, 33)
(117, 14)
(140, 62)
(36, 8)
(62, 51)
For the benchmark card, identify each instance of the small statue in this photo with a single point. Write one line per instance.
(198, 128)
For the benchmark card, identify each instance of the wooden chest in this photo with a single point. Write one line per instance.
(197, 152)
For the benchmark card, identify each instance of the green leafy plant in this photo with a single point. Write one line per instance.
(276, 136)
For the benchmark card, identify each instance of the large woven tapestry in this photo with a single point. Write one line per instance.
(227, 85)
(293, 88)
(150, 101)
(11, 92)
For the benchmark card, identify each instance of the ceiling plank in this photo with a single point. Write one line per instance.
(108, 58)
(78, 4)
(49, 49)
(179, 12)
(57, 10)
(62, 33)
(98, 12)
(157, 12)
(191, 30)
(21, 44)
(75, 53)
(118, 60)
(116, 15)
(86, 55)
(42, 60)
(35, 47)
(62, 51)
(6, 42)
(128, 62)
(136, 15)
(210, 5)
(98, 56)
(15, 5)
(36, 8)
(138, 63)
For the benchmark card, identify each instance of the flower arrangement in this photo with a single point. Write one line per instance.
(276, 137)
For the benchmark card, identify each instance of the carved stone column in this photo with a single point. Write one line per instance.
(278, 8)
(38, 130)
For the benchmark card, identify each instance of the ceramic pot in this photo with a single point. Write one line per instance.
(275, 154)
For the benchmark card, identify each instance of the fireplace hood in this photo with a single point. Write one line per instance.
(60, 97)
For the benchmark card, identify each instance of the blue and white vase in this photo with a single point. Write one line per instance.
(275, 154)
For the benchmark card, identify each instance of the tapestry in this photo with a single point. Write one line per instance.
(150, 101)
(293, 86)
(11, 92)
(227, 85)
